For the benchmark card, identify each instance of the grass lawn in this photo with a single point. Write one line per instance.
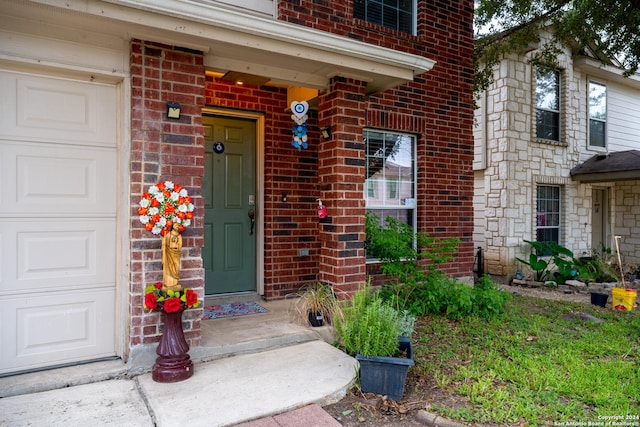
(540, 362)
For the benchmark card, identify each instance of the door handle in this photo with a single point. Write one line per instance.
(252, 217)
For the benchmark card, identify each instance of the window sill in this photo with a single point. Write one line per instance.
(551, 142)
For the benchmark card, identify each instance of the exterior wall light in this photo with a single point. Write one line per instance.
(326, 132)
(173, 110)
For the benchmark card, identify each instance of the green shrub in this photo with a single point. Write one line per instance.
(368, 325)
(407, 322)
(551, 261)
(598, 267)
(424, 290)
(399, 249)
(439, 294)
(488, 300)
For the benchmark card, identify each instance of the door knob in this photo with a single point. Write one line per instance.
(252, 217)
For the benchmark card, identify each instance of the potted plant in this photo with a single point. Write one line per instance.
(370, 329)
(316, 304)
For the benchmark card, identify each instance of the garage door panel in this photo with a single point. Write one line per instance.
(58, 222)
(57, 110)
(56, 329)
(57, 254)
(57, 179)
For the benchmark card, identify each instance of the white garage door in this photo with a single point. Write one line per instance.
(57, 220)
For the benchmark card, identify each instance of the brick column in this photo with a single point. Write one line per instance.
(341, 171)
(165, 149)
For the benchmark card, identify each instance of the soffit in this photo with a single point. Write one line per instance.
(237, 41)
(608, 72)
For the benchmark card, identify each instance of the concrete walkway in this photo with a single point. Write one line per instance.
(270, 385)
(223, 392)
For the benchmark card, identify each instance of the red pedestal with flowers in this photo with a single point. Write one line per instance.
(173, 363)
(165, 210)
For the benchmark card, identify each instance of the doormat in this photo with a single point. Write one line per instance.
(231, 310)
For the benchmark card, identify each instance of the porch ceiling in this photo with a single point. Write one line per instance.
(234, 40)
(618, 166)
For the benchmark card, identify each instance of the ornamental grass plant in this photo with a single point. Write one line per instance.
(318, 299)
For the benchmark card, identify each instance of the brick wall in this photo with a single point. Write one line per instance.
(292, 225)
(437, 105)
(341, 167)
(165, 149)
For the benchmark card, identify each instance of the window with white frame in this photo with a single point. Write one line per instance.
(597, 114)
(395, 14)
(548, 213)
(548, 105)
(391, 171)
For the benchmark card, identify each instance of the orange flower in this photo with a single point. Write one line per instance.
(161, 186)
(142, 211)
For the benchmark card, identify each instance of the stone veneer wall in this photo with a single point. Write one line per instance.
(517, 162)
(627, 218)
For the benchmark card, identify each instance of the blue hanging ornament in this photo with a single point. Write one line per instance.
(299, 130)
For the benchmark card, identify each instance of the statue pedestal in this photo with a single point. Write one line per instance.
(173, 363)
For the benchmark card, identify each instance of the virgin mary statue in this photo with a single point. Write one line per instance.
(171, 249)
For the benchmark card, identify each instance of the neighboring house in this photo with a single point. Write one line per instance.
(557, 158)
(84, 132)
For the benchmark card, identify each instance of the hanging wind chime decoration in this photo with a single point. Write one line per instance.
(299, 117)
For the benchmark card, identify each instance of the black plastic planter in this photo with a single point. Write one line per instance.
(386, 375)
(599, 299)
(316, 319)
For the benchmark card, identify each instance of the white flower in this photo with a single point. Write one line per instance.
(165, 204)
(186, 222)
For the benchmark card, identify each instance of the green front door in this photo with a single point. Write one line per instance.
(229, 185)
